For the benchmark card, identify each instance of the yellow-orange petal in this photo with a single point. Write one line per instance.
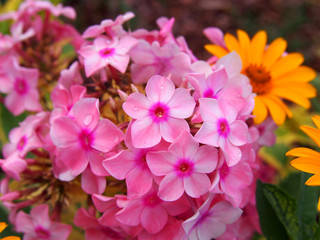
(316, 121)
(11, 238)
(319, 204)
(231, 43)
(260, 111)
(299, 74)
(216, 50)
(244, 44)
(314, 180)
(257, 46)
(310, 165)
(313, 133)
(274, 52)
(303, 152)
(304, 89)
(3, 225)
(286, 64)
(276, 110)
(291, 95)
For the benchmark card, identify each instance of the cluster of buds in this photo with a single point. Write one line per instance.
(136, 138)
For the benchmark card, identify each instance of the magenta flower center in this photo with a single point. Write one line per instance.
(223, 127)
(209, 93)
(184, 168)
(42, 233)
(159, 112)
(140, 159)
(151, 200)
(85, 139)
(106, 52)
(224, 171)
(22, 142)
(21, 86)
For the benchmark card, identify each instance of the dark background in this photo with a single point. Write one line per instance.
(298, 21)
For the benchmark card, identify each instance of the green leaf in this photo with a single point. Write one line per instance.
(270, 224)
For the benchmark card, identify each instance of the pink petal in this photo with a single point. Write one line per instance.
(223, 211)
(210, 228)
(159, 218)
(177, 207)
(142, 53)
(137, 106)
(95, 160)
(142, 73)
(217, 80)
(215, 35)
(181, 104)
(160, 89)
(125, 44)
(106, 136)
(232, 63)
(40, 215)
(208, 134)
(60, 231)
(91, 183)
(210, 110)
(130, 215)
(196, 184)
(24, 223)
(171, 188)
(119, 62)
(205, 159)
(145, 133)
(64, 132)
(172, 128)
(86, 112)
(14, 103)
(103, 203)
(160, 163)
(141, 176)
(120, 164)
(231, 153)
(184, 146)
(238, 133)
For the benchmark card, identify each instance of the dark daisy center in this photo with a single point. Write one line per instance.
(260, 78)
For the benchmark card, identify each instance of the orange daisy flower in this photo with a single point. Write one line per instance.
(307, 159)
(3, 225)
(273, 74)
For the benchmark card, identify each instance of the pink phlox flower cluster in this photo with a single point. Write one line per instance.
(38, 226)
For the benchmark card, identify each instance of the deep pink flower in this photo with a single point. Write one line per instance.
(184, 167)
(83, 138)
(222, 129)
(104, 52)
(210, 220)
(150, 211)
(38, 226)
(159, 115)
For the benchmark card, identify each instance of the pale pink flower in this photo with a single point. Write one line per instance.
(184, 167)
(154, 59)
(159, 115)
(20, 84)
(104, 52)
(150, 211)
(222, 129)
(83, 138)
(38, 226)
(109, 27)
(210, 220)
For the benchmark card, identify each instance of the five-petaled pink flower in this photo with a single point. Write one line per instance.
(159, 115)
(222, 129)
(184, 167)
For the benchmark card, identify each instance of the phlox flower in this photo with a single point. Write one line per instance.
(80, 139)
(13, 165)
(104, 52)
(20, 84)
(109, 27)
(150, 211)
(154, 59)
(222, 129)
(210, 220)
(184, 167)
(38, 226)
(131, 165)
(160, 114)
